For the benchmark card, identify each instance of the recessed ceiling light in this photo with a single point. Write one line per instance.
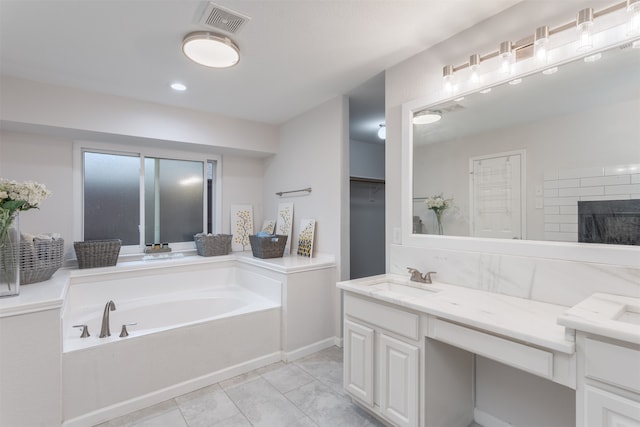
(459, 99)
(550, 71)
(210, 49)
(178, 86)
(487, 90)
(515, 82)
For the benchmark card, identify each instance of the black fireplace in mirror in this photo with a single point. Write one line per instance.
(609, 221)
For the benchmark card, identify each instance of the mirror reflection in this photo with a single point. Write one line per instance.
(555, 157)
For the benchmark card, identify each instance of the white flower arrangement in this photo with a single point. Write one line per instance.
(438, 204)
(15, 197)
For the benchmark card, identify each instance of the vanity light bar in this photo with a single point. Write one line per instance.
(518, 48)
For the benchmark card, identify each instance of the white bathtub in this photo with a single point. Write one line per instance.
(196, 325)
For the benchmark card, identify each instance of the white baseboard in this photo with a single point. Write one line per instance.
(301, 352)
(140, 402)
(337, 341)
(488, 420)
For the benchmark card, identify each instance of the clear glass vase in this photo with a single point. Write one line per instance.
(10, 257)
(438, 224)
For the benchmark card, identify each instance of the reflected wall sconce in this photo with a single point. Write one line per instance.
(506, 57)
(474, 66)
(540, 41)
(537, 45)
(211, 49)
(633, 20)
(448, 79)
(584, 24)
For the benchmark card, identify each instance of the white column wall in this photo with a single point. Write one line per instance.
(313, 152)
(418, 77)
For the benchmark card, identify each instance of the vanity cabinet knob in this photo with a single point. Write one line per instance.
(123, 331)
(85, 330)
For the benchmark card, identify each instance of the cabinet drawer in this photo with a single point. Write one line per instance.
(613, 364)
(392, 319)
(530, 359)
(604, 409)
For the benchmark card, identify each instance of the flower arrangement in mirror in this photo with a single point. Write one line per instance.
(14, 197)
(438, 204)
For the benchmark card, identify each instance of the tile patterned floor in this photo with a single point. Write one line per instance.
(304, 393)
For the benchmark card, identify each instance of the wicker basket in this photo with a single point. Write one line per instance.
(268, 247)
(213, 245)
(97, 253)
(39, 259)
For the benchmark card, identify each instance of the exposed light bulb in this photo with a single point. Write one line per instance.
(584, 23)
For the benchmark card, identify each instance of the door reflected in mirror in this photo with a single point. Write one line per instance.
(516, 162)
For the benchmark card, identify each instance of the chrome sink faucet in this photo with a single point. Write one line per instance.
(105, 331)
(416, 276)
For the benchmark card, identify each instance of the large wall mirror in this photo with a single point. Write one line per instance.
(549, 157)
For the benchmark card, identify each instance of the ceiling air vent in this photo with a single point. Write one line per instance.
(224, 19)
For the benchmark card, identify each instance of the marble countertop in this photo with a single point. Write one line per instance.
(41, 296)
(612, 316)
(520, 319)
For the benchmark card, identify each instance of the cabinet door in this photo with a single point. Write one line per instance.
(358, 361)
(398, 379)
(604, 409)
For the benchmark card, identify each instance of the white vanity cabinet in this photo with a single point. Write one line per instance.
(382, 359)
(608, 389)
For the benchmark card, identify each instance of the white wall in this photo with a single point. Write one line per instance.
(366, 160)
(242, 181)
(49, 160)
(31, 104)
(420, 76)
(313, 152)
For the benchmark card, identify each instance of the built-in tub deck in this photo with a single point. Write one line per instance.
(195, 323)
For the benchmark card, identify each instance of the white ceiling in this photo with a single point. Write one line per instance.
(296, 54)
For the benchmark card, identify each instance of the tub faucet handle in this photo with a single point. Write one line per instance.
(124, 332)
(85, 330)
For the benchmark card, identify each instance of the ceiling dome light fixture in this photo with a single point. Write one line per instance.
(426, 117)
(382, 131)
(211, 49)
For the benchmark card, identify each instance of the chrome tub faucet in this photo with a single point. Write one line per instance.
(416, 276)
(104, 330)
